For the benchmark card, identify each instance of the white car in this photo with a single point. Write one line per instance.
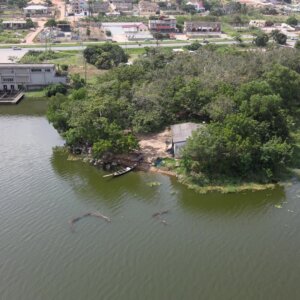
(16, 48)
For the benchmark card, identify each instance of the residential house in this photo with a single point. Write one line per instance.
(163, 24)
(100, 7)
(198, 5)
(14, 24)
(28, 76)
(80, 7)
(33, 10)
(193, 29)
(122, 5)
(180, 134)
(147, 8)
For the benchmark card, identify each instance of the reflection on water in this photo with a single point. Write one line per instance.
(234, 246)
(27, 107)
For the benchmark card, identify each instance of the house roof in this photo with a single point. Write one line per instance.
(14, 22)
(37, 7)
(26, 65)
(181, 132)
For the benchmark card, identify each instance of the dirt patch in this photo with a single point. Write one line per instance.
(155, 145)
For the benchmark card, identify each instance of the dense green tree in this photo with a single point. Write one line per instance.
(292, 21)
(193, 46)
(50, 23)
(279, 37)
(261, 40)
(244, 100)
(286, 83)
(105, 56)
(29, 23)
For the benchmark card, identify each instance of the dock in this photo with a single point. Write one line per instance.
(7, 98)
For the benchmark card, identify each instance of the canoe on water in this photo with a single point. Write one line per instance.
(121, 172)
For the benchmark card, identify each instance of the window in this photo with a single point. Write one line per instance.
(36, 70)
(47, 70)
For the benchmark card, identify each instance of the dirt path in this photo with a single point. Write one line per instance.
(33, 34)
(155, 145)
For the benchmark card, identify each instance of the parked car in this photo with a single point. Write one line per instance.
(16, 48)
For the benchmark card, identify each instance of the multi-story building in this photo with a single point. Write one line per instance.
(79, 7)
(100, 7)
(122, 5)
(28, 76)
(193, 29)
(147, 8)
(163, 24)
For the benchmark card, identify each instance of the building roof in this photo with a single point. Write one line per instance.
(148, 6)
(8, 65)
(37, 7)
(14, 21)
(181, 132)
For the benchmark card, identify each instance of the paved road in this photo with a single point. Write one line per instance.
(5, 54)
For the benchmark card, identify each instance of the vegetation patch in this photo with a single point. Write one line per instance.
(248, 102)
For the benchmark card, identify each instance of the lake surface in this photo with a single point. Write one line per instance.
(235, 246)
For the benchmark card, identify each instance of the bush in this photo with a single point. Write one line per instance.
(64, 67)
(54, 89)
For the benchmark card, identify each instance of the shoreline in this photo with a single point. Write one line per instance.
(184, 180)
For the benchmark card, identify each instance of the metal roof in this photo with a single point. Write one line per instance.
(14, 21)
(8, 65)
(181, 132)
(37, 7)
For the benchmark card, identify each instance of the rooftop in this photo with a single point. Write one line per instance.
(7, 65)
(14, 21)
(181, 132)
(38, 7)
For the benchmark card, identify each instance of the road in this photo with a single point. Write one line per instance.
(5, 54)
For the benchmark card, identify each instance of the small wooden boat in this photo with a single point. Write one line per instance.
(121, 172)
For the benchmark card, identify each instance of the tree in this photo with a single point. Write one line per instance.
(29, 23)
(105, 56)
(297, 45)
(286, 83)
(54, 89)
(194, 46)
(279, 37)
(50, 23)
(18, 3)
(292, 21)
(238, 38)
(261, 40)
(88, 31)
(189, 9)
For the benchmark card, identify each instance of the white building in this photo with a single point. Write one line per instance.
(32, 10)
(180, 134)
(28, 76)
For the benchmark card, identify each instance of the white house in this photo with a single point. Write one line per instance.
(180, 134)
(28, 76)
(32, 10)
(14, 24)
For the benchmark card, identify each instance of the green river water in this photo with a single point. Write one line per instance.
(234, 246)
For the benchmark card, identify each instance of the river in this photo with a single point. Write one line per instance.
(235, 246)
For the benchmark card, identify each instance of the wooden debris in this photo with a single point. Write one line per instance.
(158, 215)
(92, 214)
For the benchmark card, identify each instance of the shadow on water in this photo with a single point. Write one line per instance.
(27, 107)
(88, 181)
(232, 203)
